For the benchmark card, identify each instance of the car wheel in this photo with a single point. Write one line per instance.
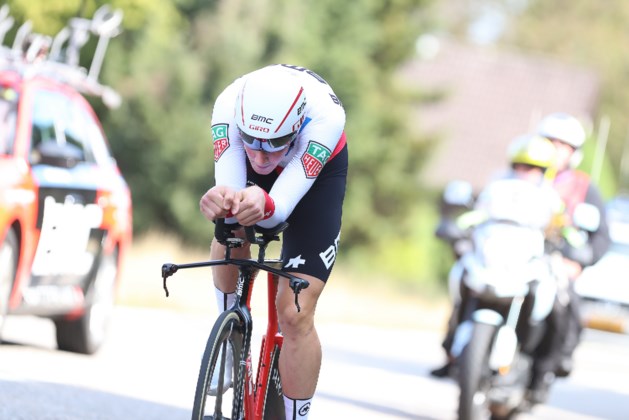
(87, 333)
(9, 252)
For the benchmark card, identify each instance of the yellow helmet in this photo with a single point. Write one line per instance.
(532, 149)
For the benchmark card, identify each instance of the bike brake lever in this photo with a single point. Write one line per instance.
(168, 270)
(165, 287)
(297, 301)
(297, 287)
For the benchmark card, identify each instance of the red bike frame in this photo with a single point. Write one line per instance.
(255, 393)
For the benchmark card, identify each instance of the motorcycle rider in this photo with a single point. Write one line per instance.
(530, 158)
(574, 187)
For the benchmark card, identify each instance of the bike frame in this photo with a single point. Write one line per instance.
(253, 397)
(255, 393)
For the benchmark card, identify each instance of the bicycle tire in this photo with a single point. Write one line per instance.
(228, 328)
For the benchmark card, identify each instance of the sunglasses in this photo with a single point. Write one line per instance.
(268, 145)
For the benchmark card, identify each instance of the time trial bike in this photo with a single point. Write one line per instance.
(247, 397)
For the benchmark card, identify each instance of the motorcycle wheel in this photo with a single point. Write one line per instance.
(475, 374)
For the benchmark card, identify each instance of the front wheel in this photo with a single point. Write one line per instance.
(220, 386)
(475, 374)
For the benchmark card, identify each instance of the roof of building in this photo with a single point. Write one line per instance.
(489, 98)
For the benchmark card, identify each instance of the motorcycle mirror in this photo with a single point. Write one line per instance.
(587, 217)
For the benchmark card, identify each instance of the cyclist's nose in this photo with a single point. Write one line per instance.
(259, 157)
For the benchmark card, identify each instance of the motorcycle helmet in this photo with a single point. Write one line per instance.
(533, 150)
(563, 127)
(270, 108)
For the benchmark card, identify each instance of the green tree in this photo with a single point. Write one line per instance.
(356, 48)
(174, 58)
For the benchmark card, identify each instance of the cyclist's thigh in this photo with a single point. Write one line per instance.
(311, 242)
(308, 298)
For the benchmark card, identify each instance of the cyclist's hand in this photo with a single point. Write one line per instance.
(251, 206)
(219, 202)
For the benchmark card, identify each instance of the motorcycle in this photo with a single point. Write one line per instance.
(505, 289)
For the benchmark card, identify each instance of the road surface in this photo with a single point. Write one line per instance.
(148, 368)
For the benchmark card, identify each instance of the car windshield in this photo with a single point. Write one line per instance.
(8, 100)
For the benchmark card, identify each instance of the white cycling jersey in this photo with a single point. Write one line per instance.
(319, 139)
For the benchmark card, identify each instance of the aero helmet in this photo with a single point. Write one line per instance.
(563, 127)
(270, 108)
(531, 149)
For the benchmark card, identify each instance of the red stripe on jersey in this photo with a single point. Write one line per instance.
(339, 146)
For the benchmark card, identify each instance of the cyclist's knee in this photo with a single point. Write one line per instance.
(294, 323)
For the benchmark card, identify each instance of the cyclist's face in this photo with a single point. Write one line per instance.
(529, 173)
(264, 162)
(563, 154)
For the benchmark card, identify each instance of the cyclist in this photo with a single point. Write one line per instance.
(530, 158)
(280, 154)
(574, 187)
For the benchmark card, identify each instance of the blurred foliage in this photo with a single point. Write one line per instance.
(607, 179)
(172, 60)
(175, 56)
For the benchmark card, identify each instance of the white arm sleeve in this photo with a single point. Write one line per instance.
(230, 167)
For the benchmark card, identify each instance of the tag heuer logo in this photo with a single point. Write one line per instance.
(220, 139)
(315, 157)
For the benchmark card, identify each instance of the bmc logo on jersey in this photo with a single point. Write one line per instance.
(220, 139)
(314, 158)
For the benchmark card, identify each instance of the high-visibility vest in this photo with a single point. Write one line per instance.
(572, 187)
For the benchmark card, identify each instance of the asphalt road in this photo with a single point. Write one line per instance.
(148, 369)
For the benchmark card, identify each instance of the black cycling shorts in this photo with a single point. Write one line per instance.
(311, 241)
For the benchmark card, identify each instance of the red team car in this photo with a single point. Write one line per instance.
(65, 209)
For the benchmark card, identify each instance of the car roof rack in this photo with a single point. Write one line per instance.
(57, 57)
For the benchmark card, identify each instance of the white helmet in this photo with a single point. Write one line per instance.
(270, 108)
(563, 127)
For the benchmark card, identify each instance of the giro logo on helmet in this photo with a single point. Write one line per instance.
(259, 128)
